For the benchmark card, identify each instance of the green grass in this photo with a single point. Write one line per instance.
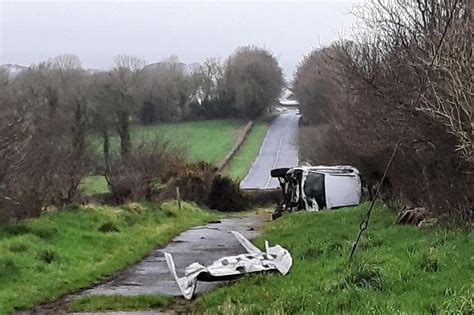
(95, 184)
(397, 269)
(43, 258)
(95, 303)
(244, 158)
(208, 140)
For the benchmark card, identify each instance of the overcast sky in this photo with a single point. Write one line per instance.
(193, 30)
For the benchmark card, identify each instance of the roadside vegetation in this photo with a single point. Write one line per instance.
(138, 125)
(196, 140)
(407, 68)
(96, 303)
(68, 249)
(88, 161)
(242, 161)
(397, 269)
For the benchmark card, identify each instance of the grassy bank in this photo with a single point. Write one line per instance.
(397, 269)
(46, 257)
(97, 303)
(247, 153)
(204, 140)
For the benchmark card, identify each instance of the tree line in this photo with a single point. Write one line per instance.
(408, 60)
(49, 111)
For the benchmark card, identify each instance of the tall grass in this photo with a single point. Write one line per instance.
(397, 269)
(46, 257)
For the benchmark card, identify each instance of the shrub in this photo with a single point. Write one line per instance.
(47, 256)
(135, 177)
(42, 231)
(363, 275)
(194, 182)
(429, 263)
(108, 227)
(225, 195)
(8, 268)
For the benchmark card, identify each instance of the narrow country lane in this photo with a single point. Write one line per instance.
(202, 244)
(279, 149)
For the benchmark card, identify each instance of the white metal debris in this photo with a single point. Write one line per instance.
(274, 258)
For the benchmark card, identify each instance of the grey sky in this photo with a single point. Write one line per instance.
(193, 30)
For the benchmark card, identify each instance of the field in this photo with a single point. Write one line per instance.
(207, 140)
(397, 269)
(61, 251)
(247, 153)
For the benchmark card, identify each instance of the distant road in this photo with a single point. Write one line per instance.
(279, 149)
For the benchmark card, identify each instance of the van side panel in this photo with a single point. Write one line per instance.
(342, 190)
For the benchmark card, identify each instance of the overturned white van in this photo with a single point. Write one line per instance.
(312, 188)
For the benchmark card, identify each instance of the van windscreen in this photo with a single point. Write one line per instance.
(314, 188)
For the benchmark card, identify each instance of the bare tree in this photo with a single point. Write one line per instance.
(364, 90)
(213, 74)
(406, 35)
(136, 177)
(124, 85)
(101, 112)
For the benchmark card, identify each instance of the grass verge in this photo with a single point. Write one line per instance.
(59, 252)
(242, 161)
(97, 303)
(397, 269)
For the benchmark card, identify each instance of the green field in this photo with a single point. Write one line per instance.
(94, 184)
(206, 140)
(247, 153)
(61, 251)
(397, 269)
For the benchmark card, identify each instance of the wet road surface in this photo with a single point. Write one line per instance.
(279, 149)
(203, 244)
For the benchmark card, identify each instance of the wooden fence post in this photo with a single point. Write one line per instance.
(178, 197)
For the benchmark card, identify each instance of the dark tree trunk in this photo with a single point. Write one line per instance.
(78, 161)
(106, 149)
(124, 133)
(79, 132)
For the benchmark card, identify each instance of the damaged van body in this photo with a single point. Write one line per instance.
(274, 258)
(313, 188)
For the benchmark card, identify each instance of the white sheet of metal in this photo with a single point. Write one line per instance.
(342, 190)
(274, 258)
